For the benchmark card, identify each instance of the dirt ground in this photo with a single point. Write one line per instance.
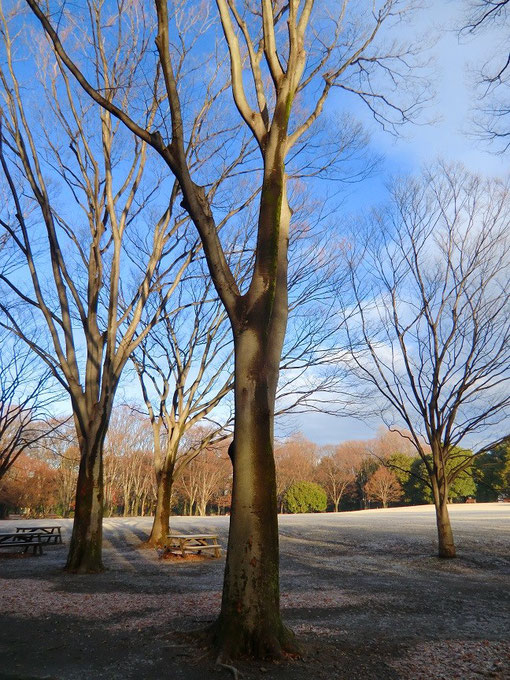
(362, 590)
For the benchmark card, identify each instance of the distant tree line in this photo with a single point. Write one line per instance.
(379, 472)
(359, 474)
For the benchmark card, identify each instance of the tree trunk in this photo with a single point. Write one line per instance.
(444, 528)
(127, 496)
(87, 536)
(161, 524)
(250, 621)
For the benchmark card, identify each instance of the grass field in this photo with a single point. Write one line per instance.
(363, 591)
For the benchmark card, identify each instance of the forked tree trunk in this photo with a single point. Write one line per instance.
(444, 528)
(161, 524)
(250, 622)
(86, 541)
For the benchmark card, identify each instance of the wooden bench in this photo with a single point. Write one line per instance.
(194, 543)
(21, 540)
(49, 535)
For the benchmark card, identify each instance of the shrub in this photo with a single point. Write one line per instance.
(305, 497)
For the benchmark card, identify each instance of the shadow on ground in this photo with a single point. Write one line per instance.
(367, 600)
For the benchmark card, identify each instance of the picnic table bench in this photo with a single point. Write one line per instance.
(189, 543)
(48, 534)
(22, 540)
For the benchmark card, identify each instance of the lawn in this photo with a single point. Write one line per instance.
(363, 591)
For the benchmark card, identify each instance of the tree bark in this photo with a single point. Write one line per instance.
(161, 524)
(86, 540)
(444, 528)
(250, 622)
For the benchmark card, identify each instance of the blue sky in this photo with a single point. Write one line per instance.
(448, 137)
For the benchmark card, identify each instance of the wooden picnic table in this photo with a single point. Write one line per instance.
(22, 540)
(50, 534)
(189, 543)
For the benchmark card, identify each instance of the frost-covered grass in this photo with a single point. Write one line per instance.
(365, 587)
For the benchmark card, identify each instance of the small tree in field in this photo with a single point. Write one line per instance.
(429, 337)
(336, 474)
(305, 497)
(383, 486)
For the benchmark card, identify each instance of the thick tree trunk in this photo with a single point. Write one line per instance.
(87, 536)
(161, 524)
(444, 528)
(250, 622)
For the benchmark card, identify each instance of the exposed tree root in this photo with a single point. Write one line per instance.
(228, 667)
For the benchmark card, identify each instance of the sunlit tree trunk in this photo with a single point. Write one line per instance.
(444, 527)
(250, 621)
(161, 524)
(281, 68)
(86, 539)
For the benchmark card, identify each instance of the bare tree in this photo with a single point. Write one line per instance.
(185, 363)
(383, 486)
(104, 259)
(204, 478)
(184, 371)
(336, 474)
(294, 54)
(494, 77)
(25, 395)
(431, 329)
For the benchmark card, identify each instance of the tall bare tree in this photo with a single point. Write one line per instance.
(104, 254)
(284, 59)
(431, 331)
(184, 367)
